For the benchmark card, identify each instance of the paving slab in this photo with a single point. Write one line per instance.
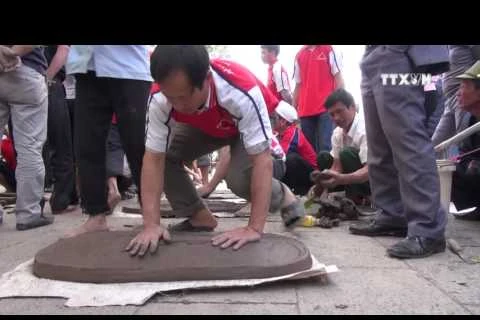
(346, 250)
(375, 291)
(280, 292)
(217, 308)
(56, 306)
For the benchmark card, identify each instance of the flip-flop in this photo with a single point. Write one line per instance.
(186, 225)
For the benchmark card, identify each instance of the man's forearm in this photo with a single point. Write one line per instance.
(286, 96)
(336, 165)
(152, 187)
(21, 50)
(58, 61)
(295, 95)
(261, 189)
(359, 176)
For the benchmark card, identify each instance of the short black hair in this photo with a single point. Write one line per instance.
(193, 60)
(340, 95)
(275, 48)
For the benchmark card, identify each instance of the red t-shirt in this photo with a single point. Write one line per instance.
(293, 140)
(8, 153)
(316, 79)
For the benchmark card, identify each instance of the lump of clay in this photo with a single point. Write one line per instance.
(100, 258)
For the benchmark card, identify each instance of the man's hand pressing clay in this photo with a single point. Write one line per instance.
(148, 238)
(236, 237)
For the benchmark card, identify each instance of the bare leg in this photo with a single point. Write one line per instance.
(205, 171)
(114, 196)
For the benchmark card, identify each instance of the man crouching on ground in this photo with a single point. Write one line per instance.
(205, 105)
(345, 167)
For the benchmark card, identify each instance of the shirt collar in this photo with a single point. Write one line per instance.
(206, 105)
(353, 128)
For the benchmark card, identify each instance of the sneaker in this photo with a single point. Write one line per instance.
(38, 222)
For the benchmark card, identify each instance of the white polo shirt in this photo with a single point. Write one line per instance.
(355, 137)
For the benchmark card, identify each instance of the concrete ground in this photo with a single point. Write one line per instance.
(369, 282)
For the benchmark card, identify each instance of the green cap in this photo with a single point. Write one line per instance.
(472, 73)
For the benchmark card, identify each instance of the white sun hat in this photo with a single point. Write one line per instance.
(286, 111)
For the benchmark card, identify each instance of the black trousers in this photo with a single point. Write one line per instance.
(96, 100)
(465, 187)
(71, 112)
(115, 153)
(58, 151)
(297, 175)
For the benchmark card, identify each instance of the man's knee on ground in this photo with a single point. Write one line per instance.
(324, 160)
(239, 185)
(349, 159)
(292, 159)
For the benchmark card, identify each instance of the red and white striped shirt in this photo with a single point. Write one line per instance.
(238, 104)
(277, 79)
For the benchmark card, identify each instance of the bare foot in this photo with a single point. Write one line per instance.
(93, 224)
(203, 218)
(114, 195)
(113, 199)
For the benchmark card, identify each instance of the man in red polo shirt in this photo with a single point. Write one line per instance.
(301, 159)
(277, 75)
(204, 105)
(317, 73)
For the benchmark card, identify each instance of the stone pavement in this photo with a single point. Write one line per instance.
(369, 282)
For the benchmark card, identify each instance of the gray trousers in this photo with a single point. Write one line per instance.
(189, 144)
(24, 97)
(401, 160)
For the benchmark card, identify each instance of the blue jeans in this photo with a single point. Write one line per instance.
(318, 130)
